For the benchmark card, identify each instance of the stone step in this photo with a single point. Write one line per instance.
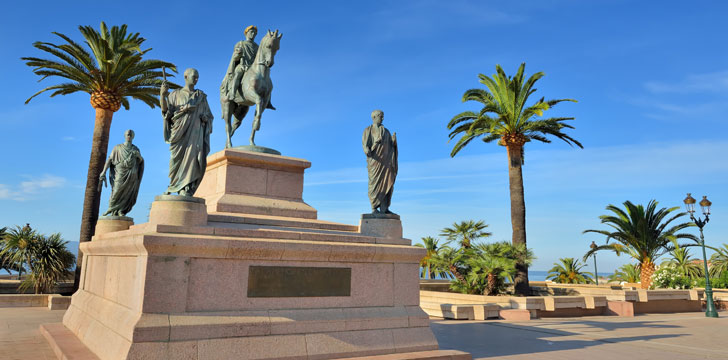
(280, 221)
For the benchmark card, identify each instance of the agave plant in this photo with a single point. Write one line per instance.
(113, 71)
(643, 233)
(569, 272)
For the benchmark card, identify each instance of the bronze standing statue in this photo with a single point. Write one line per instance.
(187, 127)
(381, 150)
(126, 167)
(247, 81)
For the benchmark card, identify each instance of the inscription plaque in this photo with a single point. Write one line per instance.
(294, 281)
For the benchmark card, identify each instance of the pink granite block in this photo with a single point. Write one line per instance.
(406, 284)
(368, 318)
(307, 252)
(417, 316)
(414, 339)
(353, 253)
(284, 347)
(258, 249)
(217, 285)
(368, 290)
(619, 308)
(219, 325)
(349, 344)
(303, 321)
(165, 286)
(245, 180)
(97, 267)
(285, 184)
(515, 314)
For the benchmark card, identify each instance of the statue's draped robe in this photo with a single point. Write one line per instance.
(249, 49)
(125, 175)
(381, 164)
(188, 135)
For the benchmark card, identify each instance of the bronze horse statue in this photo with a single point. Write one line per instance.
(255, 88)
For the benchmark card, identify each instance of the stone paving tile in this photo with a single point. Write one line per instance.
(654, 336)
(20, 338)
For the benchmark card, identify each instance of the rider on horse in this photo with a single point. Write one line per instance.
(243, 56)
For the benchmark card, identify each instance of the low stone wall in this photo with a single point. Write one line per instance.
(52, 301)
(10, 286)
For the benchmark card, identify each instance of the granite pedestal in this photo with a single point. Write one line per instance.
(259, 278)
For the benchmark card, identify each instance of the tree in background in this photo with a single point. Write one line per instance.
(506, 117)
(50, 262)
(642, 233)
(684, 264)
(429, 267)
(112, 72)
(719, 261)
(568, 271)
(465, 233)
(629, 273)
(17, 247)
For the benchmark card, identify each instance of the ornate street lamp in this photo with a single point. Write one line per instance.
(705, 205)
(596, 274)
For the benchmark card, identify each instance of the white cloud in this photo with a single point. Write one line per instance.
(22, 191)
(715, 82)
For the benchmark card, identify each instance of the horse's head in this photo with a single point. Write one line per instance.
(268, 48)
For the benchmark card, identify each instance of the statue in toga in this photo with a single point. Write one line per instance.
(381, 150)
(187, 128)
(126, 167)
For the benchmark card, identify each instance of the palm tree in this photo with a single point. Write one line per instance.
(626, 273)
(452, 260)
(643, 234)
(6, 261)
(427, 264)
(684, 264)
(507, 118)
(18, 247)
(569, 272)
(466, 232)
(50, 262)
(111, 73)
(719, 261)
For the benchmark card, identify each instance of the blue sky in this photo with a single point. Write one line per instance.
(651, 79)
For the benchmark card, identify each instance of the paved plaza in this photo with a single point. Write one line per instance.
(654, 336)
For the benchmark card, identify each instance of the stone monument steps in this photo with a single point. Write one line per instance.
(280, 221)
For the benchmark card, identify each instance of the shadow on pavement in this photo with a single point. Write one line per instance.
(486, 339)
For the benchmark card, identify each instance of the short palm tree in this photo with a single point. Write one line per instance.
(452, 261)
(719, 261)
(684, 263)
(429, 267)
(643, 233)
(50, 262)
(629, 273)
(7, 262)
(112, 72)
(507, 118)
(568, 271)
(466, 232)
(18, 247)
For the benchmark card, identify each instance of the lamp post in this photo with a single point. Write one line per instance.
(596, 274)
(705, 205)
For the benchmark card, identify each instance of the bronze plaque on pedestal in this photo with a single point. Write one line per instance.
(294, 281)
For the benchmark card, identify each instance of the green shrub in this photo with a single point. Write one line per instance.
(720, 282)
(670, 277)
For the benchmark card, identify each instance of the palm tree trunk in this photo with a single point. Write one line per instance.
(647, 268)
(92, 197)
(456, 274)
(518, 214)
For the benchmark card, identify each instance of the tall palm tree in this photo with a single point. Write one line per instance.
(427, 264)
(642, 233)
(112, 72)
(719, 261)
(684, 263)
(466, 232)
(569, 272)
(507, 118)
(626, 273)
